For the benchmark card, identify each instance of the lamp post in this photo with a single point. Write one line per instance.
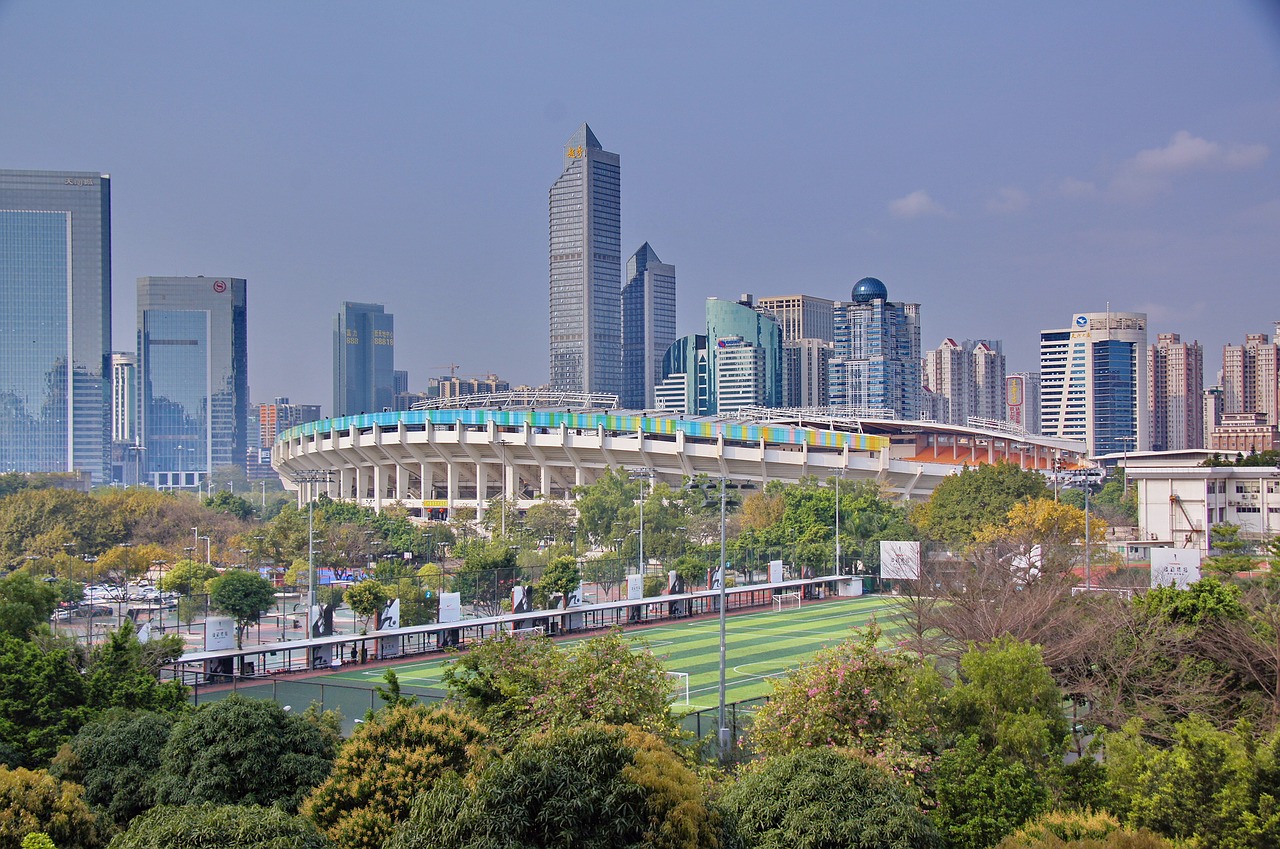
(311, 477)
(208, 551)
(642, 474)
(837, 524)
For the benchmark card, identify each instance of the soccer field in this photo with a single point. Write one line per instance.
(761, 646)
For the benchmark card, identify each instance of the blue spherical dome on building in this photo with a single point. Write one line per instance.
(869, 289)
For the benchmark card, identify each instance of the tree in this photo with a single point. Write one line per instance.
(395, 754)
(1233, 553)
(25, 604)
(27, 514)
(116, 759)
(855, 696)
(983, 796)
(242, 751)
(366, 599)
(825, 798)
(1080, 830)
(35, 801)
(551, 521)
(561, 577)
(124, 673)
(962, 504)
(41, 700)
(589, 787)
(210, 826)
(515, 685)
(1007, 697)
(242, 595)
(488, 572)
(187, 577)
(224, 501)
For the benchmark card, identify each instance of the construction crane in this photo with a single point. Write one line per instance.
(452, 367)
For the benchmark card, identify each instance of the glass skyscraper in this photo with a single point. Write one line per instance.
(193, 366)
(876, 364)
(648, 325)
(364, 347)
(55, 322)
(586, 269)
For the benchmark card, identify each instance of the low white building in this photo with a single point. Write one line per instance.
(1178, 505)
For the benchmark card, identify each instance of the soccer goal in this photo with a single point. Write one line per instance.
(532, 631)
(679, 687)
(787, 601)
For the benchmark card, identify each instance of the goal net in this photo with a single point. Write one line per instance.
(531, 631)
(679, 682)
(786, 601)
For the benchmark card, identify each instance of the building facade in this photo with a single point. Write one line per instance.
(807, 372)
(801, 316)
(124, 397)
(1022, 400)
(648, 325)
(1175, 392)
(1251, 376)
(1093, 382)
(55, 324)
(586, 269)
(875, 367)
(364, 350)
(194, 376)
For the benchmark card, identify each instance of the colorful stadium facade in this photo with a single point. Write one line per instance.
(436, 461)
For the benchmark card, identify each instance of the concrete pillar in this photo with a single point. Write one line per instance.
(482, 490)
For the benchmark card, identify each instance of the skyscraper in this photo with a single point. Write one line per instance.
(1093, 382)
(1175, 391)
(193, 366)
(648, 325)
(363, 360)
(55, 322)
(875, 369)
(1251, 376)
(801, 316)
(586, 269)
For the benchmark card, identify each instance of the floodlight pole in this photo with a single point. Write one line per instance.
(1088, 543)
(838, 524)
(310, 477)
(724, 579)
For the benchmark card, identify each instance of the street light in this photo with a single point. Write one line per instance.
(311, 477)
(642, 474)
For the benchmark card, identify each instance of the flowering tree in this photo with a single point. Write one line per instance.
(856, 696)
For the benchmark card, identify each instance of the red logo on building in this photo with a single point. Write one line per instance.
(219, 286)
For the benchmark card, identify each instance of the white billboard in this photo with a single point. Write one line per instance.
(635, 586)
(1175, 567)
(775, 571)
(450, 607)
(900, 560)
(219, 633)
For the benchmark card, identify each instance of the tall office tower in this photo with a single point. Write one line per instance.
(738, 363)
(364, 346)
(193, 367)
(806, 377)
(1249, 376)
(399, 382)
(648, 325)
(124, 397)
(55, 322)
(1093, 382)
(1212, 405)
(1175, 393)
(1022, 400)
(875, 370)
(801, 316)
(586, 269)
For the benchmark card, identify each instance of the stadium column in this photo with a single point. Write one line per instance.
(379, 486)
(451, 485)
(482, 490)
(402, 482)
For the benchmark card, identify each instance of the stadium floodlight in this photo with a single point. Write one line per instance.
(311, 477)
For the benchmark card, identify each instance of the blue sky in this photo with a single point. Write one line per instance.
(1002, 163)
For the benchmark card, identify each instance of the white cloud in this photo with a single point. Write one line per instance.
(1151, 172)
(1009, 199)
(1072, 188)
(914, 205)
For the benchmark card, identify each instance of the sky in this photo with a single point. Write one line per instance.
(1004, 164)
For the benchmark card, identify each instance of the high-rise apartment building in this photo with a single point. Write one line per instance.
(1251, 376)
(806, 372)
(1212, 405)
(586, 269)
(966, 380)
(875, 368)
(363, 360)
(193, 367)
(648, 325)
(1093, 382)
(1175, 392)
(124, 397)
(279, 416)
(55, 322)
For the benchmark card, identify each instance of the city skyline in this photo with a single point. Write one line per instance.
(998, 165)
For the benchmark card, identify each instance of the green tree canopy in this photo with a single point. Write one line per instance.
(824, 797)
(983, 796)
(210, 826)
(224, 501)
(394, 755)
(25, 604)
(42, 700)
(366, 598)
(963, 504)
(187, 577)
(562, 577)
(243, 596)
(588, 787)
(124, 673)
(116, 758)
(243, 751)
